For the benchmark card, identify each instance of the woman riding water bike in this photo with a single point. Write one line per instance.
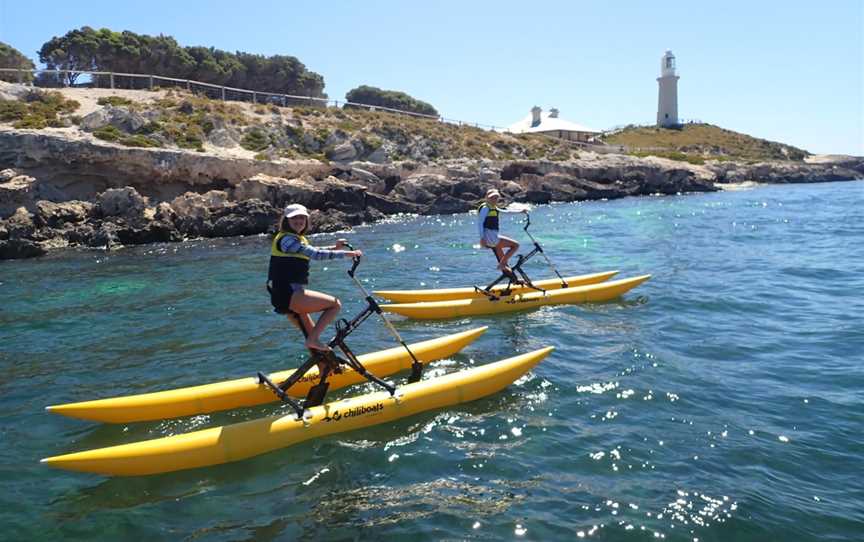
(290, 254)
(488, 227)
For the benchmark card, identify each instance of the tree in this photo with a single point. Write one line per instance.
(13, 58)
(389, 98)
(87, 49)
(76, 51)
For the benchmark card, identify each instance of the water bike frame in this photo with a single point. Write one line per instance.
(329, 362)
(517, 275)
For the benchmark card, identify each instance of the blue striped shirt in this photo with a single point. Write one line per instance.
(291, 244)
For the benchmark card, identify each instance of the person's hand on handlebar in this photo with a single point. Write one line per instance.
(354, 253)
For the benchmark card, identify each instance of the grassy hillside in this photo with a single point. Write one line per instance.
(177, 119)
(696, 143)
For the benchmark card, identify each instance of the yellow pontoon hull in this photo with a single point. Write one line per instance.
(447, 294)
(591, 293)
(245, 392)
(243, 440)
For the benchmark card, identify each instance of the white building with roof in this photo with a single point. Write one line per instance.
(550, 124)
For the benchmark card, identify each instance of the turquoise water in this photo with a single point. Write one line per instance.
(721, 400)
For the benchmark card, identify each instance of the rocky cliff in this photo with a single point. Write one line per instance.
(58, 190)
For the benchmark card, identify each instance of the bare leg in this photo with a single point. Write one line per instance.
(505, 250)
(303, 322)
(309, 301)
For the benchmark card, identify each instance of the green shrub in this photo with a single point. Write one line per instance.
(36, 110)
(138, 140)
(393, 99)
(33, 122)
(371, 142)
(113, 100)
(109, 133)
(185, 136)
(151, 128)
(12, 110)
(255, 140)
(294, 132)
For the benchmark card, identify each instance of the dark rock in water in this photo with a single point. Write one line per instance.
(446, 204)
(330, 221)
(389, 205)
(538, 197)
(373, 215)
(13, 249)
(134, 234)
(121, 202)
(104, 236)
(55, 215)
(20, 225)
(243, 218)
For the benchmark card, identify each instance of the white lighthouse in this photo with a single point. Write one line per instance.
(667, 98)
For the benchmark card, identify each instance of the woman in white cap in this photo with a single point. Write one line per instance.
(288, 275)
(487, 226)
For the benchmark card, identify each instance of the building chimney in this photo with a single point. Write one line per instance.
(553, 113)
(535, 116)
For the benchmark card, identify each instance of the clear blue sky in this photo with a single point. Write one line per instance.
(786, 71)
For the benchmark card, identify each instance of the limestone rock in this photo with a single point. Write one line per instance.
(423, 188)
(343, 152)
(121, 202)
(224, 137)
(447, 204)
(20, 225)
(389, 205)
(117, 116)
(55, 215)
(7, 175)
(16, 192)
(379, 155)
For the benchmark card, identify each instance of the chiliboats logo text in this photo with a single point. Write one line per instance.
(354, 412)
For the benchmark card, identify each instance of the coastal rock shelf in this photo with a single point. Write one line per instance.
(58, 190)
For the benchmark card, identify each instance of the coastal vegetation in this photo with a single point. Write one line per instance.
(11, 57)
(183, 120)
(37, 109)
(389, 98)
(88, 49)
(696, 143)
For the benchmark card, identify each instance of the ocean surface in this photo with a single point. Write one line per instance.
(721, 400)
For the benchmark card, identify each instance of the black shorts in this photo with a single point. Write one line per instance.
(280, 297)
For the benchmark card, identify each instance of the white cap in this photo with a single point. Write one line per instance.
(492, 192)
(296, 209)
